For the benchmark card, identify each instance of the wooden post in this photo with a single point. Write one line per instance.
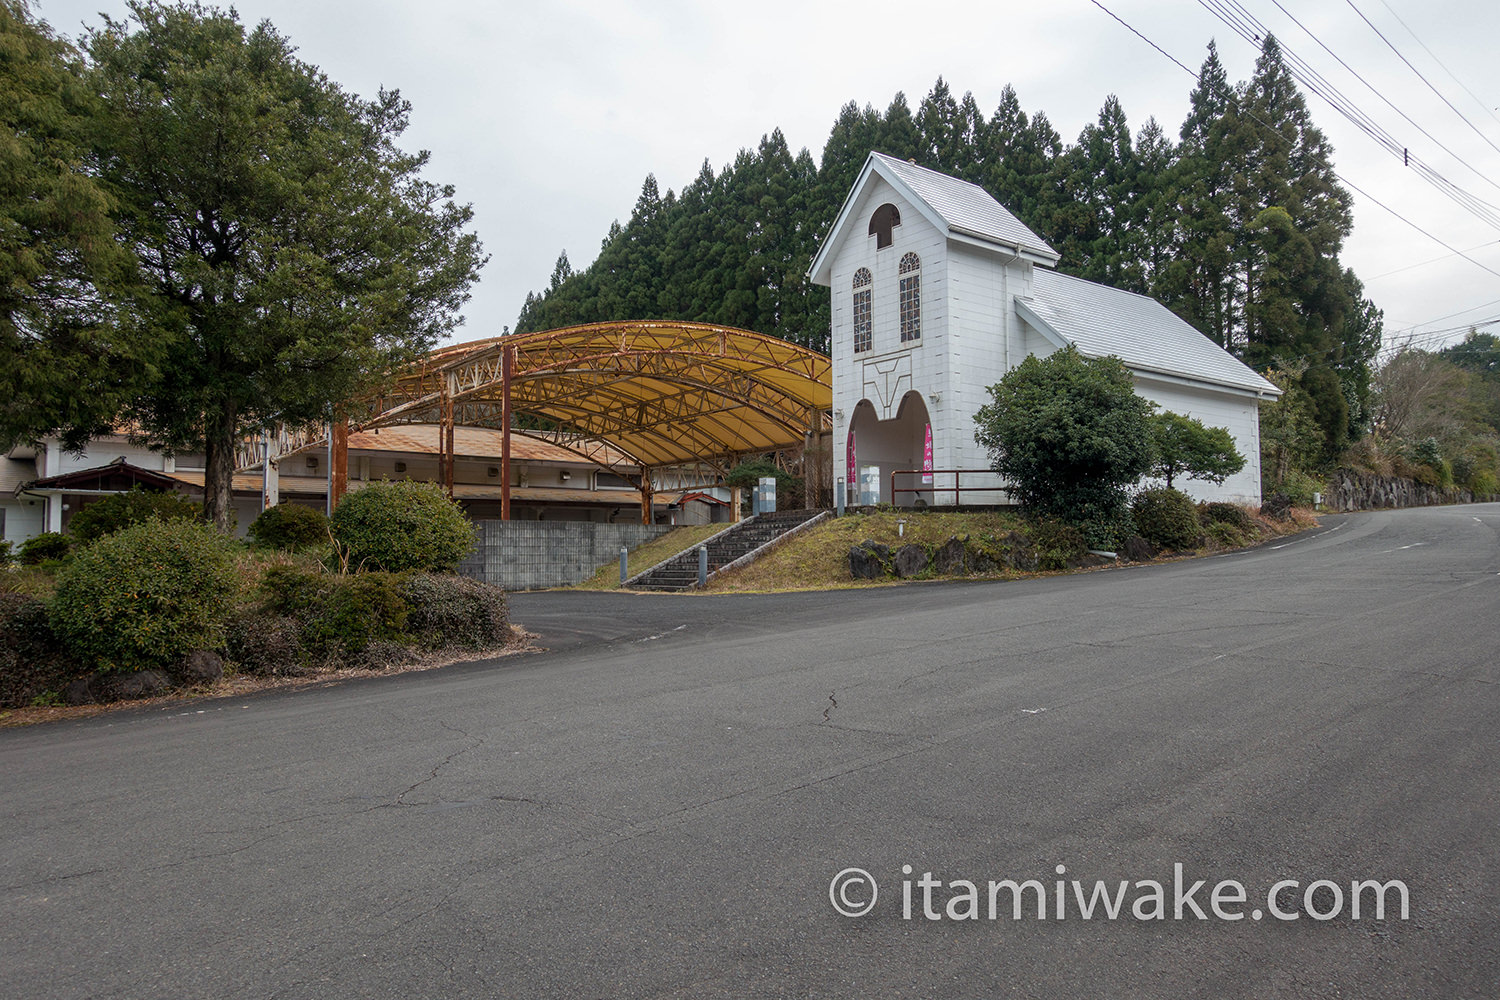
(507, 363)
(338, 483)
(645, 495)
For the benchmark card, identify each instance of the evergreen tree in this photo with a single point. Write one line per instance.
(69, 355)
(292, 253)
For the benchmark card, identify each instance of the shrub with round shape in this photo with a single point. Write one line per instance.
(290, 526)
(403, 525)
(1219, 512)
(45, 547)
(117, 511)
(455, 612)
(146, 596)
(1166, 518)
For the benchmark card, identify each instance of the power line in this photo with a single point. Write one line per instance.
(1233, 14)
(1477, 99)
(1434, 260)
(1421, 77)
(1372, 88)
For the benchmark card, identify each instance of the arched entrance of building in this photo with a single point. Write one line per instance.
(898, 445)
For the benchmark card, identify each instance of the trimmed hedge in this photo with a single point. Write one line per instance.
(42, 548)
(32, 664)
(289, 526)
(403, 525)
(456, 612)
(118, 511)
(146, 596)
(1166, 518)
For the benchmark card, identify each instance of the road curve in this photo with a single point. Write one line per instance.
(657, 806)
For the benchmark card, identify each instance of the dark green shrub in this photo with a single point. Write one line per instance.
(1231, 514)
(1070, 434)
(291, 591)
(146, 596)
(33, 664)
(289, 526)
(1300, 487)
(1166, 518)
(1227, 535)
(110, 514)
(455, 612)
(353, 612)
(1484, 484)
(267, 645)
(7, 554)
(405, 525)
(1057, 543)
(48, 545)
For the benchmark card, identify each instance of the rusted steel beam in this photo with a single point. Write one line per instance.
(507, 362)
(338, 483)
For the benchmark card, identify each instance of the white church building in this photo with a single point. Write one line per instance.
(938, 291)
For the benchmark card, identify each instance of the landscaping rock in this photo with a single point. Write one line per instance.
(1278, 506)
(911, 560)
(128, 687)
(1137, 549)
(202, 666)
(952, 558)
(1020, 553)
(869, 560)
(81, 691)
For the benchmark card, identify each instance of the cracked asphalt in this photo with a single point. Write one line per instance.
(655, 806)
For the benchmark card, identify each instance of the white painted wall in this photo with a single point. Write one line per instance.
(1237, 411)
(971, 336)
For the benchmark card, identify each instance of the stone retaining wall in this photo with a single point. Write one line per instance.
(1349, 489)
(531, 555)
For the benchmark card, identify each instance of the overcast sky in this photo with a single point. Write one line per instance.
(547, 116)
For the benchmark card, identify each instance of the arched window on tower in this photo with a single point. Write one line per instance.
(862, 326)
(910, 271)
(882, 222)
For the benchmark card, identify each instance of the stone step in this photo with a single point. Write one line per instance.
(681, 571)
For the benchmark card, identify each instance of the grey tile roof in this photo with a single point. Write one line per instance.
(965, 207)
(1142, 332)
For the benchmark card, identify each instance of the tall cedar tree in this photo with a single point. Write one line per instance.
(292, 253)
(66, 352)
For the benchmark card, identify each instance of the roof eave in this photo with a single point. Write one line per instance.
(1036, 255)
(1035, 320)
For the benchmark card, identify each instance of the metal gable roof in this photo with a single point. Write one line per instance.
(966, 208)
(956, 207)
(1142, 332)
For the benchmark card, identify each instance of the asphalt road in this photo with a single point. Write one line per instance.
(656, 806)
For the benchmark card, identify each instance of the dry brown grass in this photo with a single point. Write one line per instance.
(645, 556)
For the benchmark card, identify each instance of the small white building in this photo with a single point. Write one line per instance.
(938, 291)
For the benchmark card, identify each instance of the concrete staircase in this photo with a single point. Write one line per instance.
(681, 571)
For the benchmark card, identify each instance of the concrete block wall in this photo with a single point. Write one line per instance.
(531, 555)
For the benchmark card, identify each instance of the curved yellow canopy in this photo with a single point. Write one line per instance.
(659, 393)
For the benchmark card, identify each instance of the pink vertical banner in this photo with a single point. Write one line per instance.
(927, 458)
(851, 478)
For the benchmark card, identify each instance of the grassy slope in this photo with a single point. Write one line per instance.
(648, 555)
(818, 559)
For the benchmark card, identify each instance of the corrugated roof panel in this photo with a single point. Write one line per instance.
(964, 206)
(1140, 331)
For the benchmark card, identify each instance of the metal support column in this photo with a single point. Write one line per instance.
(507, 364)
(338, 463)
